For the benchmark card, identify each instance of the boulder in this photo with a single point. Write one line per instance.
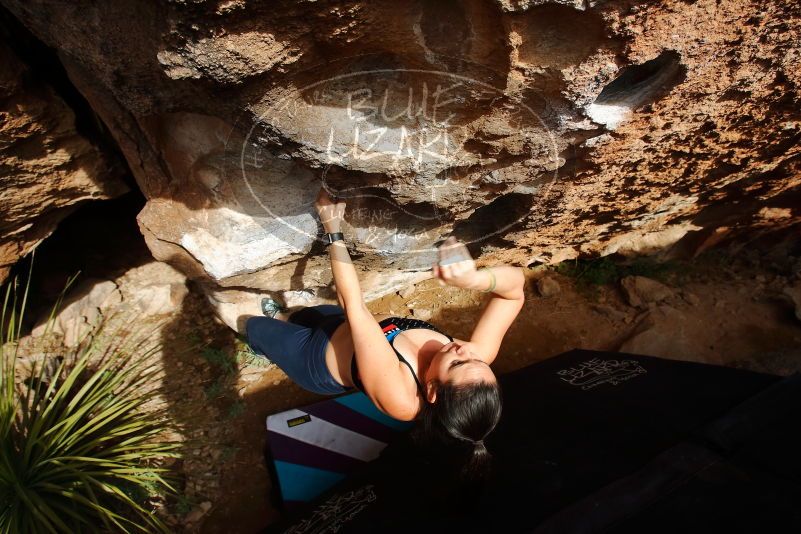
(641, 291)
(82, 310)
(535, 131)
(154, 288)
(666, 333)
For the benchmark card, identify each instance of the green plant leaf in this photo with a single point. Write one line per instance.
(77, 443)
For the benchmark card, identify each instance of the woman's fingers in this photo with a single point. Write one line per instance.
(454, 262)
(324, 198)
(457, 269)
(445, 272)
(462, 267)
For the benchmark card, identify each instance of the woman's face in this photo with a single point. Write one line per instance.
(458, 364)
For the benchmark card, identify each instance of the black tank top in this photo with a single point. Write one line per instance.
(392, 326)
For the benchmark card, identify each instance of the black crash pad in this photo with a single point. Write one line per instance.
(601, 442)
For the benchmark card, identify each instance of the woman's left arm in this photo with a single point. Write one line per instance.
(505, 283)
(500, 312)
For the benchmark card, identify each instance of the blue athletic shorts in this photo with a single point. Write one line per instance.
(298, 346)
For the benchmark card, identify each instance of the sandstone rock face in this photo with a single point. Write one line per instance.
(46, 167)
(537, 130)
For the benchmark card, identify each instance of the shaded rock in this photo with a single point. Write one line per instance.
(46, 167)
(548, 287)
(641, 291)
(612, 313)
(691, 298)
(82, 310)
(664, 332)
(794, 294)
(776, 362)
(198, 512)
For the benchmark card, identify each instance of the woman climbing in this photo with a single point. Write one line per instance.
(407, 367)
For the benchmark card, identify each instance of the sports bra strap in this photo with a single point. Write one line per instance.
(416, 380)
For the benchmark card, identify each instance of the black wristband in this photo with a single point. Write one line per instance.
(333, 236)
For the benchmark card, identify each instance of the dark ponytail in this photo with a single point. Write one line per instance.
(452, 429)
(478, 463)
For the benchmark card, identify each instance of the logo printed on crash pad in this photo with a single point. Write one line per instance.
(295, 421)
(330, 516)
(595, 372)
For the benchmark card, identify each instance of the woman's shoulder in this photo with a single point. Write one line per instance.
(403, 402)
(408, 413)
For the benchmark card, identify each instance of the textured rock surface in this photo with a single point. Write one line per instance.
(641, 291)
(46, 167)
(536, 130)
(794, 294)
(82, 312)
(146, 291)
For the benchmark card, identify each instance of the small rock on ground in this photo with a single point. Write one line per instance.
(548, 287)
(640, 291)
(423, 314)
(407, 292)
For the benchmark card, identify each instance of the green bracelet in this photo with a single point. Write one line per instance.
(492, 284)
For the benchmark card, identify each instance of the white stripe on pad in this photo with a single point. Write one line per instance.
(327, 435)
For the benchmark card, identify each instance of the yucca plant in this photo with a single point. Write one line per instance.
(80, 448)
